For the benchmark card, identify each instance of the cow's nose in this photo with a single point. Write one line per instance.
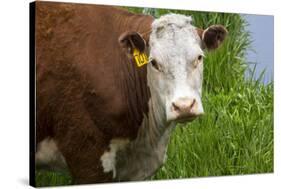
(184, 105)
(185, 109)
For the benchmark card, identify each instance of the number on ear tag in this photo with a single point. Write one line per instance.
(140, 58)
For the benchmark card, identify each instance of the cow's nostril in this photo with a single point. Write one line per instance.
(192, 104)
(175, 107)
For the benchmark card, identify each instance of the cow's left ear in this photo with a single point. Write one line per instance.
(213, 36)
(131, 40)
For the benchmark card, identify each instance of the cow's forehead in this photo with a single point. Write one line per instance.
(173, 36)
(168, 19)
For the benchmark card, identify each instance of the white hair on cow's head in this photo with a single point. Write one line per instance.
(176, 19)
(176, 69)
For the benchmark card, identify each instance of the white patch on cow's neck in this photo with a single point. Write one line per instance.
(108, 159)
(140, 158)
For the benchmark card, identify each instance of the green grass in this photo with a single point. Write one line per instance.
(52, 178)
(235, 136)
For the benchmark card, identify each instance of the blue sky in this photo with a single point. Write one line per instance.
(261, 29)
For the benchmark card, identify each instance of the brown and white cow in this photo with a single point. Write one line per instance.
(97, 113)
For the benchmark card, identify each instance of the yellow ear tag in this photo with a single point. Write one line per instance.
(140, 58)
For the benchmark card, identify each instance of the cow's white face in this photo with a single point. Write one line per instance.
(175, 71)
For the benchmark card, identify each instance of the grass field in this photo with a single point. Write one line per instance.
(235, 136)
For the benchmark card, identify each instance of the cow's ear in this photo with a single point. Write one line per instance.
(131, 40)
(213, 36)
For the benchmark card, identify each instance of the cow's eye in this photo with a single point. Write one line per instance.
(200, 57)
(155, 64)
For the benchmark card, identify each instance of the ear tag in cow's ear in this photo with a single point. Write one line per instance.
(140, 58)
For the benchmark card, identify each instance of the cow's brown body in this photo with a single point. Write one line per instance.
(87, 92)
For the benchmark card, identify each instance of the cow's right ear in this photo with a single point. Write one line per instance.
(213, 36)
(131, 40)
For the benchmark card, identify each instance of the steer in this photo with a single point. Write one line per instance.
(99, 114)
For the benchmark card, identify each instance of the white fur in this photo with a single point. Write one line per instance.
(108, 159)
(175, 45)
(49, 154)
